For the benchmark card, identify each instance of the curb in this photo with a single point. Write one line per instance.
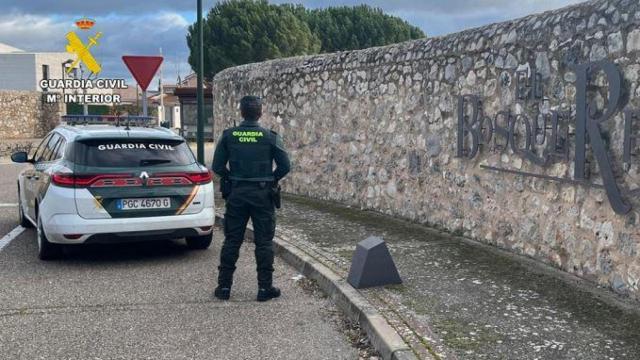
(383, 337)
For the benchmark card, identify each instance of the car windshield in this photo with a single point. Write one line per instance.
(133, 153)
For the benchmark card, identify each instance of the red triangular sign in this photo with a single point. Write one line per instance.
(143, 68)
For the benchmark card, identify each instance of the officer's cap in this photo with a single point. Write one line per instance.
(251, 103)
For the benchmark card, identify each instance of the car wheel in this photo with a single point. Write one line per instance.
(24, 222)
(199, 242)
(46, 249)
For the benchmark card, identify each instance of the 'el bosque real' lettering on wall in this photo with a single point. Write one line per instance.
(525, 136)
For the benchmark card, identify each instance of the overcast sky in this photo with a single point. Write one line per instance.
(143, 27)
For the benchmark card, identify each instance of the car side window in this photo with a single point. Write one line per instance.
(49, 148)
(59, 150)
(40, 149)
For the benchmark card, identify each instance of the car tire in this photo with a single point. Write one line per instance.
(46, 249)
(199, 242)
(24, 222)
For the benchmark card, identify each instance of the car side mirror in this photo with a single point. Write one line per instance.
(20, 157)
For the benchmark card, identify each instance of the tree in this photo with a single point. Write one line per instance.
(350, 28)
(243, 31)
(238, 32)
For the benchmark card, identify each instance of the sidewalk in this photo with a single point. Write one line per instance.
(467, 301)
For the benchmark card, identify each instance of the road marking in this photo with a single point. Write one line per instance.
(10, 236)
(6, 205)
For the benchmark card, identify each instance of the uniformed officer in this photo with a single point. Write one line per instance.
(250, 151)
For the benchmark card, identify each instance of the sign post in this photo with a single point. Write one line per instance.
(200, 92)
(143, 69)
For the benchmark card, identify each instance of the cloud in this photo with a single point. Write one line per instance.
(143, 27)
(438, 17)
(122, 35)
(146, 35)
(93, 8)
(31, 32)
(489, 9)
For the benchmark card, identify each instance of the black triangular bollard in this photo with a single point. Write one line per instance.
(372, 265)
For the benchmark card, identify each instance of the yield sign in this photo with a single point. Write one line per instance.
(143, 68)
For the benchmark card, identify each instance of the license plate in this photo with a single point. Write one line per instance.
(144, 203)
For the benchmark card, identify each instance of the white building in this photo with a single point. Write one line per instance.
(21, 70)
(170, 115)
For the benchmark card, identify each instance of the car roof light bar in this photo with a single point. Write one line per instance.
(129, 120)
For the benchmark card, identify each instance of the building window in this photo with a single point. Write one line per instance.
(45, 75)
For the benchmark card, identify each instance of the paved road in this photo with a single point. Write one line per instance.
(149, 301)
(8, 197)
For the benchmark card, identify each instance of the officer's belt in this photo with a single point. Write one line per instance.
(245, 183)
(255, 180)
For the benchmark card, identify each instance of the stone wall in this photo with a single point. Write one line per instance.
(23, 115)
(377, 129)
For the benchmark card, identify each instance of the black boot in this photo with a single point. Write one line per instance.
(222, 293)
(265, 294)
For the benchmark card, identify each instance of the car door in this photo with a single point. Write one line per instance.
(28, 179)
(48, 159)
(53, 153)
(40, 178)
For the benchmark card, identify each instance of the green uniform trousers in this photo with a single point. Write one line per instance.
(248, 201)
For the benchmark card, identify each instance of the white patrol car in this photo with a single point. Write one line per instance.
(107, 184)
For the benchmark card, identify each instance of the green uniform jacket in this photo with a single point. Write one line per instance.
(250, 151)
